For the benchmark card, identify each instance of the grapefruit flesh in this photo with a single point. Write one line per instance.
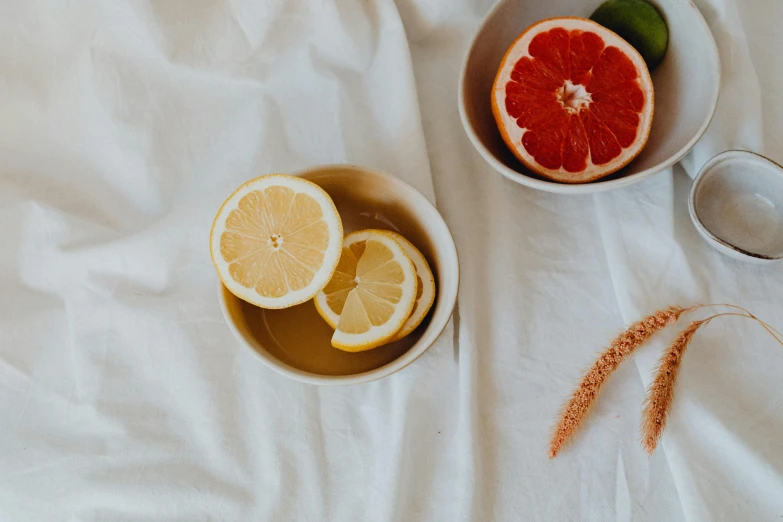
(573, 101)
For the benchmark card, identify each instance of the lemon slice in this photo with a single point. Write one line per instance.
(276, 241)
(372, 292)
(425, 288)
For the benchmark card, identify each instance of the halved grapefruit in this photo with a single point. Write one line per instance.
(573, 101)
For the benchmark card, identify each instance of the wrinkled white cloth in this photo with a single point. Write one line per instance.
(124, 397)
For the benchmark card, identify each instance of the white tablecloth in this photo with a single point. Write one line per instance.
(124, 397)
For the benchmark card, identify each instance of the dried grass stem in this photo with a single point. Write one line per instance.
(661, 391)
(582, 399)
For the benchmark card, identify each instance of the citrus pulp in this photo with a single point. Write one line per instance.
(572, 100)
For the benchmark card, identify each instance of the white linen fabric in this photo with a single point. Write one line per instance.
(124, 397)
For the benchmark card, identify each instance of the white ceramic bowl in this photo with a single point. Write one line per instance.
(686, 89)
(300, 348)
(736, 204)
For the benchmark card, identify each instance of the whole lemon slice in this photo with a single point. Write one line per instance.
(372, 293)
(276, 241)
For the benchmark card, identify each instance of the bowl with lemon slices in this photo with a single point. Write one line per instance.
(334, 275)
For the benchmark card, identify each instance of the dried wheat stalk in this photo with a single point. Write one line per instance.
(661, 391)
(578, 406)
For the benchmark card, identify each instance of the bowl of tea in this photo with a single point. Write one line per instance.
(334, 275)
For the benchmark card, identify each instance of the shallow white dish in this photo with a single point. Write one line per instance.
(686, 85)
(736, 204)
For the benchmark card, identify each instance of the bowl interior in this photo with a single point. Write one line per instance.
(296, 341)
(739, 200)
(686, 87)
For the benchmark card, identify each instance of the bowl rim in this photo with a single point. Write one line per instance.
(699, 224)
(581, 188)
(430, 335)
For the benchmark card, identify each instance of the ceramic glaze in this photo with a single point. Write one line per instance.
(296, 341)
(686, 89)
(736, 204)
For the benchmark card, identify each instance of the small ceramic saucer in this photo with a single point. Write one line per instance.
(736, 203)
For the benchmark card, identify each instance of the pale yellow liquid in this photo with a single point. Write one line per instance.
(299, 337)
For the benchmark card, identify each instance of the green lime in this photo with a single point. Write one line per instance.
(640, 23)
